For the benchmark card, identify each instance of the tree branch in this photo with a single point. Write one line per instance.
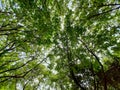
(96, 15)
(12, 69)
(69, 58)
(92, 53)
(9, 49)
(109, 5)
(4, 12)
(98, 60)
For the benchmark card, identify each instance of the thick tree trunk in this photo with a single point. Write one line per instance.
(105, 82)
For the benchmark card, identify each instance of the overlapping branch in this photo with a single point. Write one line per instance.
(22, 75)
(98, 60)
(69, 57)
(104, 12)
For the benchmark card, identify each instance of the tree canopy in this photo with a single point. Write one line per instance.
(59, 45)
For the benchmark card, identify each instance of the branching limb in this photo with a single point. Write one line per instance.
(98, 60)
(22, 75)
(102, 5)
(96, 15)
(69, 57)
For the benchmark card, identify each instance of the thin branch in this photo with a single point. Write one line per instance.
(89, 50)
(96, 57)
(9, 49)
(69, 58)
(4, 80)
(10, 29)
(22, 75)
(34, 67)
(96, 15)
(98, 60)
(4, 12)
(109, 5)
(4, 26)
(12, 69)
(6, 46)
(24, 86)
(7, 62)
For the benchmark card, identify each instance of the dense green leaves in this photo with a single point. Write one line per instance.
(59, 44)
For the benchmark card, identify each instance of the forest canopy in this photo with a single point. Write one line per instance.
(59, 44)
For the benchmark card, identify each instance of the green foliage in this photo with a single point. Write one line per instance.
(59, 44)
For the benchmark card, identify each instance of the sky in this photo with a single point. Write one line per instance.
(0, 2)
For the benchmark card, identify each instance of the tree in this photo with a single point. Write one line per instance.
(62, 44)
